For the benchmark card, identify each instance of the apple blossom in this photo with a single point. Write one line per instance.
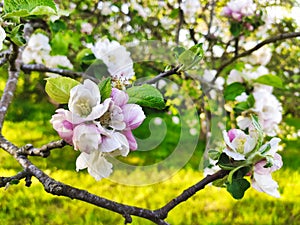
(86, 138)
(190, 8)
(98, 129)
(85, 101)
(268, 110)
(86, 28)
(237, 9)
(37, 49)
(61, 122)
(261, 178)
(116, 58)
(238, 144)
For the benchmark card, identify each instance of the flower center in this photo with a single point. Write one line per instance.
(105, 119)
(84, 107)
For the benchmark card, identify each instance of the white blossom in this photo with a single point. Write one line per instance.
(262, 56)
(37, 49)
(190, 9)
(116, 58)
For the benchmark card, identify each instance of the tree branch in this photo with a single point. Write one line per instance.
(186, 194)
(258, 46)
(162, 75)
(11, 84)
(6, 180)
(43, 68)
(43, 151)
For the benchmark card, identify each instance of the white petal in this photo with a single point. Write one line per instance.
(98, 166)
(265, 183)
(234, 155)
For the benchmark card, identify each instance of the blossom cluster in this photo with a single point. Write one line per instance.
(190, 8)
(238, 9)
(266, 106)
(241, 146)
(115, 57)
(98, 129)
(38, 51)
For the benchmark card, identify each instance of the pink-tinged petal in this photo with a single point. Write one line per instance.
(232, 134)
(131, 139)
(265, 183)
(133, 115)
(227, 140)
(260, 169)
(63, 127)
(119, 97)
(98, 166)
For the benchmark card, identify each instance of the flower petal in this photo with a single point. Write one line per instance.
(98, 166)
(133, 115)
(265, 183)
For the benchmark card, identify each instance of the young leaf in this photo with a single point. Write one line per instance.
(146, 95)
(214, 154)
(191, 57)
(236, 28)
(238, 187)
(23, 8)
(59, 88)
(105, 88)
(233, 90)
(270, 80)
(242, 106)
(16, 35)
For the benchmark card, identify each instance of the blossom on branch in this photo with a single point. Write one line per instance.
(97, 128)
(115, 57)
(238, 9)
(247, 153)
(190, 9)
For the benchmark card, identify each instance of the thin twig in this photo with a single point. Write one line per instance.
(162, 75)
(258, 46)
(19, 176)
(43, 151)
(186, 194)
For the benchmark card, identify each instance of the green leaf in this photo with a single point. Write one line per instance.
(59, 88)
(238, 187)
(270, 80)
(23, 8)
(225, 163)
(146, 95)
(236, 28)
(256, 123)
(220, 182)
(233, 90)
(191, 57)
(214, 154)
(242, 106)
(105, 88)
(16, 35)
